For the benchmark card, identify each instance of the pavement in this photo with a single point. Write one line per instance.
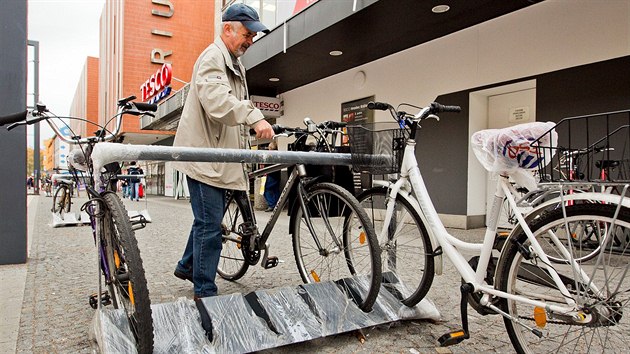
(44, 303)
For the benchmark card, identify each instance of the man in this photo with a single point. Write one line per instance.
(272, 184)
(133, 185)
(213, 117)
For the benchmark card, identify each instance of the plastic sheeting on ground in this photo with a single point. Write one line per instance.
(259, 320)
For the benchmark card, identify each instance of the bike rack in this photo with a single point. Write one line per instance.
(259, 320)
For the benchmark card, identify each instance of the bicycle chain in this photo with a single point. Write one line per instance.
(248, 232)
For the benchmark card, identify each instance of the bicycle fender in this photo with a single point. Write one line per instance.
(586, 196)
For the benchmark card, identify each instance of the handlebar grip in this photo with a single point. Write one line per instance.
(439, 108)
(381, 106)
(277, 129)
(455, 109)
(141, 106)
(331, 125)
(124, 101)
(13, 118)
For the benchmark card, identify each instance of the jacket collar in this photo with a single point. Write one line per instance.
(227, 56)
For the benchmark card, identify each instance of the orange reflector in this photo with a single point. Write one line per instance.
(238, 245)
(129, 288)
(315, 276)
(362, 238)
(116, 259)
(457, 334)
(540, 317)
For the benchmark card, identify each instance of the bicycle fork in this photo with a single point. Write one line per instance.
(307, 219)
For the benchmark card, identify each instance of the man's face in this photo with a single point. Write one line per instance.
(237, 39)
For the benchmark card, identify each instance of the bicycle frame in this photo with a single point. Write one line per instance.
(97, 186)
(295, 176)
(410, 175)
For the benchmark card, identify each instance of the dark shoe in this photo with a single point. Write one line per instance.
(183, 275)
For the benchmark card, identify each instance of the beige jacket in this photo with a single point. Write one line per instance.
(215, 108)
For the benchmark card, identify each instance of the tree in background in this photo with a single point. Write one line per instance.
(30, 160)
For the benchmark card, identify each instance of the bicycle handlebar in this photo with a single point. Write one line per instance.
(327, 127)
(425, 112)
(125, 106)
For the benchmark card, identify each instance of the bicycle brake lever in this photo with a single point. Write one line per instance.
(433, 116)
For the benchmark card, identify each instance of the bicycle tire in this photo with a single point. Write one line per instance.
(507, 216)
(406, 253)
(583, 249)
(333, 210)
(126, 282)
(518, 275)
(232, 265)
(62, 201)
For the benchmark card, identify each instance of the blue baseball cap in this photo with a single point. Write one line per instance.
(245, 14)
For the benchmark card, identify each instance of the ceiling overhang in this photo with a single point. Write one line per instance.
(374, 29)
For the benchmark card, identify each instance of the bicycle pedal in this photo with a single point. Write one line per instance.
(452, 338)
(272, 262)
(105, 299)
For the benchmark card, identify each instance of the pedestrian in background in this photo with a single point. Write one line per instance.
(213, 116)
(272, 184)
(125, 187)
(134, 182)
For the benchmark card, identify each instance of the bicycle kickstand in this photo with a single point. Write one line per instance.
(457, 336)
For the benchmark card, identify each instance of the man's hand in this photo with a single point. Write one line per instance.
(263, 129)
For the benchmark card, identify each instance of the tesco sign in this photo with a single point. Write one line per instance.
(158, 81)
(271, 107)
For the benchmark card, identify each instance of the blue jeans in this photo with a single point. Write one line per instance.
(203, 249)
(133, 190)
(272, 190)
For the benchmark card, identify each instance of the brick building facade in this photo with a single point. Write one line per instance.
(137, 38)
(85, 101)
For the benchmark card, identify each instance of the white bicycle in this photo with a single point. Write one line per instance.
(572, 306)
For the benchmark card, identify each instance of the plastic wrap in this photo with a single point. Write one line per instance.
(509, 150)
(259, 320)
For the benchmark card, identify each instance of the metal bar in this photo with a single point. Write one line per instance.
(105, 153)
(36, 158)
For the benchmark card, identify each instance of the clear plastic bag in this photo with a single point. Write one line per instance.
(510, 150)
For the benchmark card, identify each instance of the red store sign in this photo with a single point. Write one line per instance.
(158, 81)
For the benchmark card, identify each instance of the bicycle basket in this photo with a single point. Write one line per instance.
(592, 148)
(376, 148)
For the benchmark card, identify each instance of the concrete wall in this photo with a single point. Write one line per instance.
(543, 38)
(13, 144)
